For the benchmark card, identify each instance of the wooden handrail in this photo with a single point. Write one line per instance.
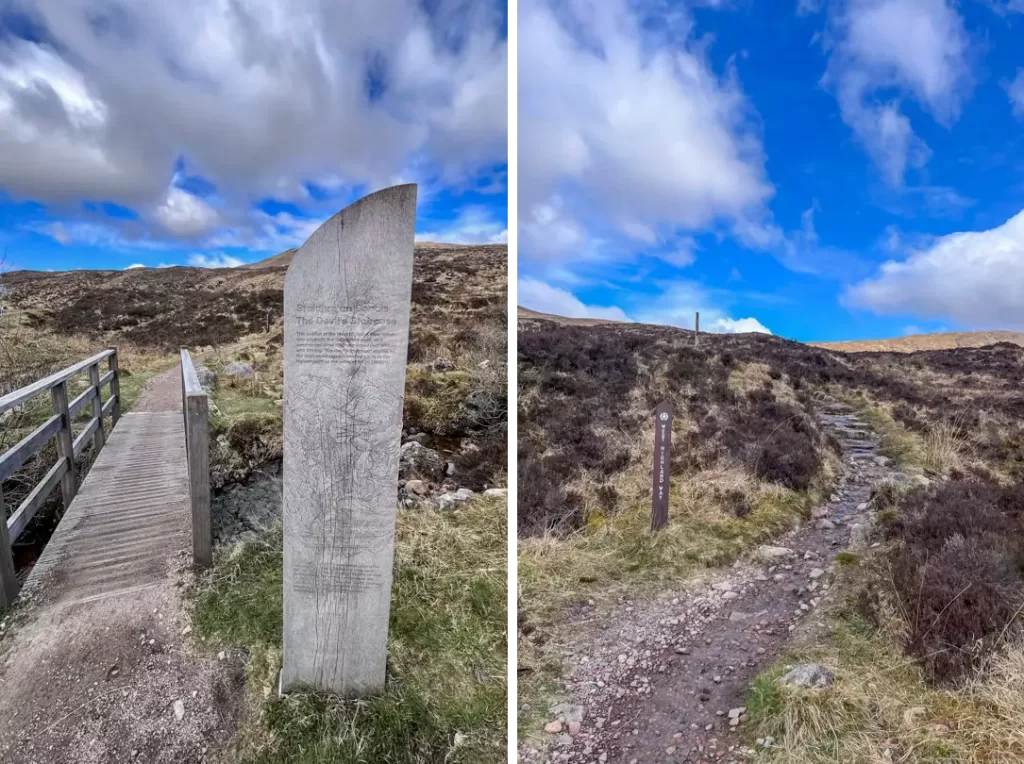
(195, 407)
(11, 400)
(68, 447)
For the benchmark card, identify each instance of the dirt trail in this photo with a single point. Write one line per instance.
(112, 679)
(655, 682)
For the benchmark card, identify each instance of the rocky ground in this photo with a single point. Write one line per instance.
(427, 480)
(666, 681)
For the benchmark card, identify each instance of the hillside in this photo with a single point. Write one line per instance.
(453, 287)
(888, 486)
(916, 342)
(528, 314)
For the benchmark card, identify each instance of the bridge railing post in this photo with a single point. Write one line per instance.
(115, 388)
(65, 446)
(8, 580)
(97, 408)
(196, 413)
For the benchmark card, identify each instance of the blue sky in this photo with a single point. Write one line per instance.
(825, 170)
(211, 133)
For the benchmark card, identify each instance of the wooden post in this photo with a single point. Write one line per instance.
(696, 331)
(8, 580)
(115, 389)
(97, 409)
(197, 437)
(662, 465)
(65, 446)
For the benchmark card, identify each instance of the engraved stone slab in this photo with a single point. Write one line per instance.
(662, 465)
(346, 333)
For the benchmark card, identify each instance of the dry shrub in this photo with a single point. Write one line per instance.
(956, 574)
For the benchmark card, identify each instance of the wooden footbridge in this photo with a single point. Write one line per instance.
(148, 480)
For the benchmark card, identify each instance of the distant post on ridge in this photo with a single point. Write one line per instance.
(346, 332)
(696, 331)
(662, 465)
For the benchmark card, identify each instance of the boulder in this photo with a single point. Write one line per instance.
(239, 369)
(207, 377)
(767, 553)
(809, 675)
(417, 487)
(418, 461)
(449, 500)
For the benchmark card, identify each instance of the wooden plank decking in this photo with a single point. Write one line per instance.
(130, 515)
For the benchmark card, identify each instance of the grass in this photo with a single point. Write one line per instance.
(881, 710)
(942, 448)
(445, 699)
(881, 707)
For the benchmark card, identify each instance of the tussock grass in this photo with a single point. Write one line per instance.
(446, 695)
(619, 552)
(899, 443)
(881, 710)
(945, 447)
(940, 448)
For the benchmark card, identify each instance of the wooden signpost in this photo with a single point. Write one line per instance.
(662, 465)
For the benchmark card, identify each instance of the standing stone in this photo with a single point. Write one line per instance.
(346, 332)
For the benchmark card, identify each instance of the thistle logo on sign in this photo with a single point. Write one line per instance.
(662, 465)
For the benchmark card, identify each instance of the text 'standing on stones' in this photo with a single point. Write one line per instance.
(330, 334)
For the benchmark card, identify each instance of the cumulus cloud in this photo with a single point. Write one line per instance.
(974, 278)
(185, 215)
(199, 260)
(675, 305)
(259, 98)
(134, 266)
(885, 51)
(542, 297)
(627, 132)
(1015, 90)
(474, 225)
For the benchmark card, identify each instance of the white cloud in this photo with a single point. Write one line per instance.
(974, 278)
(809, 7)
(738, 326)
(185, 215)
(474, 225)
(58, 233)
(628, 127)
(916, 49)
(199, 260)
(258, 97)
(134, 266)
(674, 306)
(542, 297)
(1006, 7)
(1015, 90)
(681, 300)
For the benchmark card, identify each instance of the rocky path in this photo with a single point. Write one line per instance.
(666, 681)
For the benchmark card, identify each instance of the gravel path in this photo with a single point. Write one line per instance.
(115, 679)
(666, 681)
(162, 392)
